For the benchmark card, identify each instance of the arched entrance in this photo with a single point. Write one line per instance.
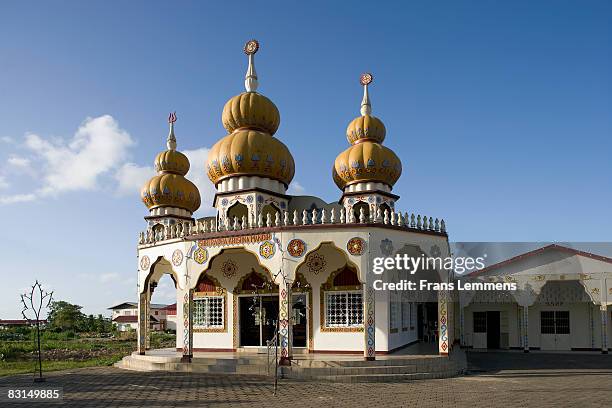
(157, 307)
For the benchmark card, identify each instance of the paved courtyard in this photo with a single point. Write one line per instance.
(497, 380)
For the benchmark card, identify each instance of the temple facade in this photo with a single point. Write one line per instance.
(269, 262)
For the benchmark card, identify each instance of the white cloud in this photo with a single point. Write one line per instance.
(295, 188)
(7, 139)
(17, 198)
(18, 161)
(131, 177)
(98, 147)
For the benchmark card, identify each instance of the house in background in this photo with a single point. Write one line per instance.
(125, 316)
(7, 324)
(561, 303)
(170, 317)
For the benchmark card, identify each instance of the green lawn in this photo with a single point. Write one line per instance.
(19, 357)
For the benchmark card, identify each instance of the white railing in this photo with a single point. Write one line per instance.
(306, 217)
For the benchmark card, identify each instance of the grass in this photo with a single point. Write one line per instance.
(60, 353)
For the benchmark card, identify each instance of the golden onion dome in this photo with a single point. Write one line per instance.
(250, 152)
(171, 161)
(366, 127)
(170, 188)
(250, 110)
(367, 160)
(250, 149)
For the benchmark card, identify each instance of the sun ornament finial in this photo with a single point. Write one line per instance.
(366, 79)
(250, 79)
(171, 141)
(251, 47)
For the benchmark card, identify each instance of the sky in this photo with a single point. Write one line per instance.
(499, 111)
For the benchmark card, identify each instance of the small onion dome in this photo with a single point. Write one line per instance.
(366, 162)
(251, 110)
(366, 127)
(250, 152)
(171, 161)
(170, 190)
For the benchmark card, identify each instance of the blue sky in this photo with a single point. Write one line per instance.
(500, 112)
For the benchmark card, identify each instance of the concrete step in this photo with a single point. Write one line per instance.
(400, 369)
(369, 378)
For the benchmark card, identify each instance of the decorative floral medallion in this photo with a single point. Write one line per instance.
(224, 202)
(145, 262)
(356, 246)
(177, 257)
(266, 250)
(200, 255)
(435, 251)
(386, 247)
(296, 248)
(316, 263)
(229, 268)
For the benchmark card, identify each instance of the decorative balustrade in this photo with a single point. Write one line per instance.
(313, 217)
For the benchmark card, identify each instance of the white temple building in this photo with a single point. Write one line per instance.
(268, 255)
(298, 270)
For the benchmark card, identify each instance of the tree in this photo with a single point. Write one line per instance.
(66, 316)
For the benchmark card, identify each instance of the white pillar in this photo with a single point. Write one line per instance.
(369, 322)
(604, 329)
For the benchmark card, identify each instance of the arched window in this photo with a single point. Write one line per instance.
(385, 207)
(269, 209)
(357, 210)
(238, 210)
(209, 303)
(342, 296)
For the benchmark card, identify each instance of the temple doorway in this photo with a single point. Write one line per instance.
(258, 314)
(300, 320)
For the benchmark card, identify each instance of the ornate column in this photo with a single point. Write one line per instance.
(369, 322)
(187, 312)
(284, 314)
(604, 329)
(142, 321)
(149, 293)
(443, 344)
(525, 328)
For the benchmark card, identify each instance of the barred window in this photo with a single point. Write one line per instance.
(554, 322)
(480, 322)
(208, 312)
(343, 309)
(393, 315)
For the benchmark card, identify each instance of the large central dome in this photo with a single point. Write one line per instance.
(250, 149)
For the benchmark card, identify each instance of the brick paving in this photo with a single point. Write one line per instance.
(498, 380)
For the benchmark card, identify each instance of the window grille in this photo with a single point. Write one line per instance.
(406, 315)
(208, 312)
(393, 315)
(480, 322)
(343, 309)
(554, 322)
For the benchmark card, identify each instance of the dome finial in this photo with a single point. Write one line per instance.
(171, 141)
(365, 79)
(250, 79)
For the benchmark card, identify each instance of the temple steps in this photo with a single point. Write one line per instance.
(341, 370)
